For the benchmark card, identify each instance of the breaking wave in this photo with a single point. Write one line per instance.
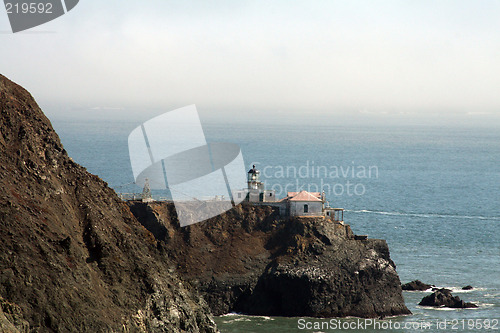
(428, 215)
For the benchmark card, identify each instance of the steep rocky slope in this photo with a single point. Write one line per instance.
(72, 256)
(249, 260)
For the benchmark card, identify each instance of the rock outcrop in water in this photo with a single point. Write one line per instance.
(443, 298)
(248, 260)
(416, 285)
(72, 256)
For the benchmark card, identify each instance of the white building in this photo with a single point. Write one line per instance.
(303, 203)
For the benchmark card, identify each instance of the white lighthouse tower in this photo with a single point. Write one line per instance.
(255, 191)
(254, 182)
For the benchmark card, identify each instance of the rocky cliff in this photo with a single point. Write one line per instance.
(249, 260)
(72, 256)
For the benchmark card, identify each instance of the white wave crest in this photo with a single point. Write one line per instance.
(426, 215)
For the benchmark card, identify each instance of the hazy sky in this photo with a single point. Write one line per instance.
(365, 57)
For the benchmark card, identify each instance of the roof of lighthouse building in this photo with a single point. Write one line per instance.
(302, 196)
(253, 170)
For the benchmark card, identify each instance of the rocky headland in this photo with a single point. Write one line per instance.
(75, 258)
(249, 260)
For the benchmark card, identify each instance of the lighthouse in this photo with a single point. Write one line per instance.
(254, 182)
(255, 191)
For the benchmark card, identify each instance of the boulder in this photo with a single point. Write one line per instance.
(416, 285)
(443, 298)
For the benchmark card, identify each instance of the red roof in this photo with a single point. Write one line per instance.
(303, 196)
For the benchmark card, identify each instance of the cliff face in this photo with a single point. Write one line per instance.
(72, 256)
(249, 261)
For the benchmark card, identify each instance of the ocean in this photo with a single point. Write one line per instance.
(433, 192)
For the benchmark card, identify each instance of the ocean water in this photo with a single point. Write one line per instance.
(432, 192)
